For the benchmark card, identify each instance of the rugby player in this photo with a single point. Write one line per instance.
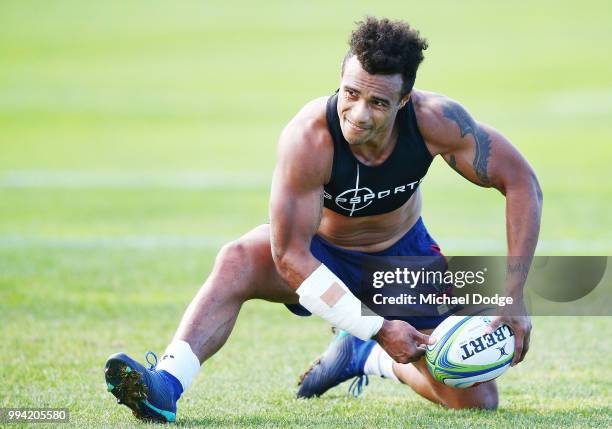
(346, 185)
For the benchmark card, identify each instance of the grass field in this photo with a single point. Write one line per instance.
(137, 137)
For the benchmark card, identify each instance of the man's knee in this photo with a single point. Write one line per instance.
(239, 266)
(232, 256)
(488, 401)
(246, 252)
(485, 398)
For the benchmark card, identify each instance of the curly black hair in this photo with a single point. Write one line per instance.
(387, 47)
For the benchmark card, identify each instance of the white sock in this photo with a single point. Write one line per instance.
(180, 361)
(379, 363)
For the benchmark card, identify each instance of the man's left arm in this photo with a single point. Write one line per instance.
(485, 157)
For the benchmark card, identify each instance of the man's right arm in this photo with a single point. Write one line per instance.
(296, 199)
(304, 160)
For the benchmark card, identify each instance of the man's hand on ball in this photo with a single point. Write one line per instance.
(402, 342)
(516, 317)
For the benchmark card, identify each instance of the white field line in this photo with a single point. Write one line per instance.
(153, 242)
(579, 101)
(211, 180)
(144, 242)
(545, 247)
(68, 179)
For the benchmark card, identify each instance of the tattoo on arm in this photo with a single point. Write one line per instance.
(519, 268)
(453, 163)
(467, 125)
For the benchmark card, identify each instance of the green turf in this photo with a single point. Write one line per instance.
(136, 137)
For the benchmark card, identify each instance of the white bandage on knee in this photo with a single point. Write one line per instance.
(325, 295)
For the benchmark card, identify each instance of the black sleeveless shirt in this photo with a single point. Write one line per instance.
(356, 189)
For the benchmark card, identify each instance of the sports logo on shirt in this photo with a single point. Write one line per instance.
(358, 198)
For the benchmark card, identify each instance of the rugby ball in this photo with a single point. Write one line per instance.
(464, 355)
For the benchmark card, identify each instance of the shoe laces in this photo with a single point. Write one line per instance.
(358, 384)
(153, 365)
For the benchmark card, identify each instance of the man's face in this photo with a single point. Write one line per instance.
(368, 103)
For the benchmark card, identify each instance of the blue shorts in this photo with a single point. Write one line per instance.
(347, 265)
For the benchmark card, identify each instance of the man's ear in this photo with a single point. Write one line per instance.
(405, 100)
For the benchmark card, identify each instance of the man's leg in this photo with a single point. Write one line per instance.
(417, 376)
(348, 357)
(243, 270)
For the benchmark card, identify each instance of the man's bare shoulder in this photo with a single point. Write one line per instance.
(309, 125)
(434, 118)
(305, 142)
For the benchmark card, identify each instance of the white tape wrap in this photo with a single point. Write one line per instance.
(325, 295)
